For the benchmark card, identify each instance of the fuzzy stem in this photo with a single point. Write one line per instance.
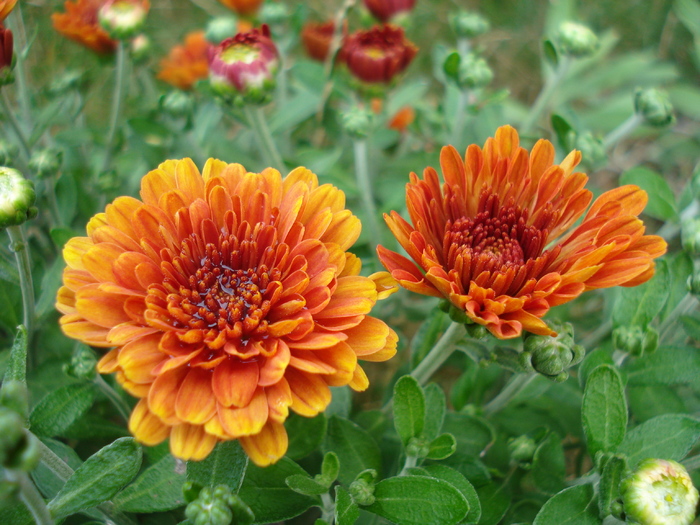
(20, 35)
(328, 508)
(624, 129)
(113, 397)
(411, 461)
(21, 249)
(516, 385)
(439, 353)
(14, 124)
(117, 97)
(256, 119)
(364, 184)
(30, 496)
(550, 86)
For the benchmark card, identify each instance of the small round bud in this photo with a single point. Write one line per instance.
(522, 450)
(357, 122)
(362, 492)
(655, 106)
(274, 13)
(592, 149)
(636, 340)
(474, 72)
(18, 449)
(177, 103)
(220, 28)
(659, 492)
(552, 356)
(217, 506)
(14, 395)
(140, 48)
(46, 162)
(690, 236)
(576, 40)
(17, 198)
(8, 153)
(468, 24)
(83, 363)
(417, 448)
(123, 19)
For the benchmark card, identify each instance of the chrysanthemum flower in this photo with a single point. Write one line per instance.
(80, 23)
(496, 238)
(243, 7)
(229, 298)
(186, 64)
(6, 7)
(317, 38)
(385, 10)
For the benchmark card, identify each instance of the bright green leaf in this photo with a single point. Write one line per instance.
(305, 434)
(303, 484)
(356, 449)
(495, 501)
(409, 408)
(17, 364)
(157, 489)
(442, 447)
(548, 466)
(435, 408)
(609, 485)
(669, 365)
(226, 465)
(662, 202)
(639, 305)
(458, 481)
(346, 510)
(330, 467)
(670, 436)
(60, 408)
(604, 410)
(572, 506)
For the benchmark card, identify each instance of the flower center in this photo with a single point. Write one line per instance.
(240, 53)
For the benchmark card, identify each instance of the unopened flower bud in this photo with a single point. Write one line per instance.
(693, 284)
(577, 40)
(468, 24)
(655, 106)
(8, 153)
(636, 340)
(17, 198)
(83, 363)
(389, 10)
(218, 506)
(123, 19)
(659, 492)
(474, 72)
(357, 122)
(177, 103)
(18, 449)
(245, 66)
(522, 450)
(592, 149)
(140, 48)
(220, 28)
(46, 162)
(6, 57)
(552, 356)
(417, 448)
(274, 13)
(690, 236)
(14, 395)
(362, 489)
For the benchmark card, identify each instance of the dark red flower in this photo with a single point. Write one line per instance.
(379, 54)
(385, 10)
(6, 46)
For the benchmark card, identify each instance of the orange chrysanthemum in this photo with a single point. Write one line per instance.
(229, 298)
(186, 64)
(493, 239)
(79, 23)
(6, 7)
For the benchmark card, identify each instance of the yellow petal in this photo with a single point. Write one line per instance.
(145, 426)
(268, 446)
(191, 442)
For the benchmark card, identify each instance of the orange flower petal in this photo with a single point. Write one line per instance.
(195, 402)
(235, 382)
(146, 427)
(191, 442)
(246, 420)
(267, 446)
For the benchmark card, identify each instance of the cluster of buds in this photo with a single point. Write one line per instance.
(552, 356)
(243, 68)
(468, 72)
(17, 198)
(636, 340)
(123, 19)
(217, 506)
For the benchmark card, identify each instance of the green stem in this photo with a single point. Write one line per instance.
(30, 497)
(21, 249)
(439, 353)
(516, 385)
(328, 508)
(113, 397)
(411, 461)
(14, 123)
(256, 118)
(596, 335)
(687, 304)
(624, 129)
(117, 97)
(459, 118)
(53, 202)
(364, 184)
(550, 86)
(20, 35)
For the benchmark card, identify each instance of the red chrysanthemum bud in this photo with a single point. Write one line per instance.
(245, 65)
(385, 10)
(317, 38)
(6, 46)
(379, 54)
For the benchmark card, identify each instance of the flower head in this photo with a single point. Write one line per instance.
(317, 38)
(186, 64)
(6, 56)
(123, 18)
(378, 54)
(17, 198)
(385, 10)
(659, 492)
(245, 65)
(80, 23)
(6, 7)
(243, 7)
(228, 298)
(496, 239)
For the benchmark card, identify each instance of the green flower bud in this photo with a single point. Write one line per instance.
(690, 236)
(468, 24)
(14, 395)
(123, 19)
(191, 491)
(362, 489)
(655, 106)
(417, 448)
(140, 48)
(82, 364)
(552, 356)
(636, 340)
(592, 149)
(220, 28)
(474, 72)
(8, 153)
(522, 450)
(274, 13)
(46, 162)
(217, 506)
(177, 103)
(576, 40)
(693, 284)
(357, 122)
(17, 198)
(18, 449)
(659, 492)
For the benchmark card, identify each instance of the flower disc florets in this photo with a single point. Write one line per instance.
(245, 66)
(495, 238)
(228, 298)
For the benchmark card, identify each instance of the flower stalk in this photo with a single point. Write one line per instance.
(328, 508)
(516, 385)
(544, 97)
(113, 397)
(621, 131)
(21, 250)
(30, 496)
(21, 47)
(257, 121)
(364, 184)
(439, 353)
(14, 123)
(117, 98)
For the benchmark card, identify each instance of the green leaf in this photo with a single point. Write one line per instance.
(662, 202)
(458, 481)
(572, 506)
(592, 360)
(650, 401)
(640, 304)
(157, 489)
(550, 53)
(691, 326)
(48, 481)
(548, 465)
(473, 434)
(99, 478)
(435, 405)
(17, 363)
(303, 484)
(341, 402)
(226, 465)
(356, 449)
(346, 510)
(305, 434)
(670, 436)
(669, 365)
(264, 490)
(451, 66)
(680, 267)
(609, 486)
(495, 501)
(330, 468)
(50, 283)
(60, 408)
(418, 500)
(409, 408)
(604, 410)
(562, 130)
(442, 447)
